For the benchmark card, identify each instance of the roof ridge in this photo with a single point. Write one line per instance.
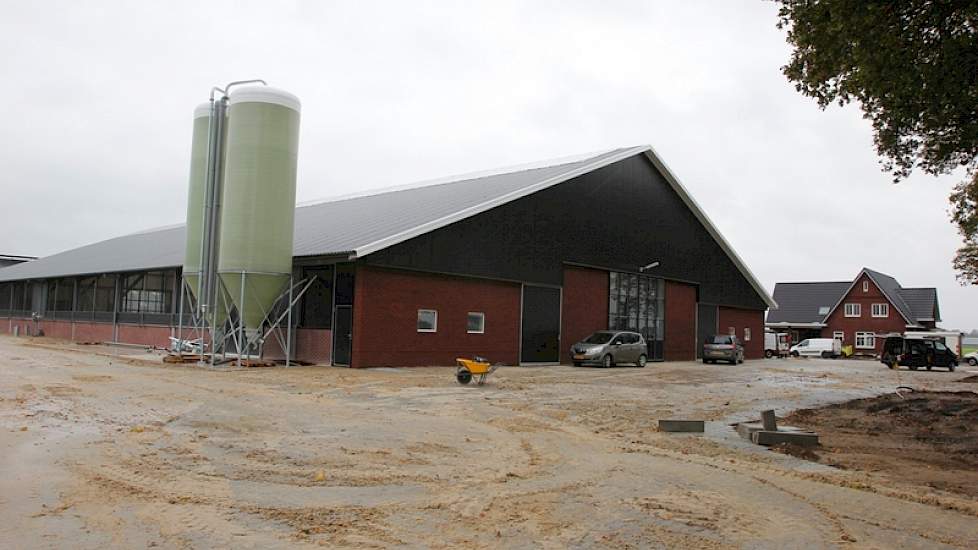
(812, 282)
(465, 176)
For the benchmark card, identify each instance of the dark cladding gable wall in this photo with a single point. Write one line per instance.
(621, 216)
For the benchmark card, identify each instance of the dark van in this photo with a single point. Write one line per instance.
(916, 353)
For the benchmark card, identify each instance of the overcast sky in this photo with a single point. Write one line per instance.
(97, 97)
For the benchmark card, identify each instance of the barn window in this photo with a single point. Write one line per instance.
(476, 322)
(427, 320)
(317, 302)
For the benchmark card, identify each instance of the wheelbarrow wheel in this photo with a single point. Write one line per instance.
(464, 376)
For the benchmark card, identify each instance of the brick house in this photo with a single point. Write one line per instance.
(855, 312)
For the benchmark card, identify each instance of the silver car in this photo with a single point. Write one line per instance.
(723, 347)
(610, 347)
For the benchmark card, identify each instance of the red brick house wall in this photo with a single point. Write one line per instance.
(584, 308)
(385, 313)
(740, 319)
(837, 321)
(680, 322)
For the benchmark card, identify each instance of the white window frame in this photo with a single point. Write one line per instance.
(884, 311)
(746, 334)
(435, 324)
(853, 310)
(865, 286)
(732, 331)
(481, 315)
(824, 310)
(839, 335)
(865, 340)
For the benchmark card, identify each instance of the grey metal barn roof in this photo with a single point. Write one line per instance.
(360, 225)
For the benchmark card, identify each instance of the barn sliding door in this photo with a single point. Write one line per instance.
(541, 325)
(706, 326)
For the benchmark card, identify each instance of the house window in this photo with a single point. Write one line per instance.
(476, 323)
(427, 320)
(746, 334)
(881, 310)
(839, 335)
(854, 310)
(824, 310)
(865, 340)
(732, 331)
(865, 286)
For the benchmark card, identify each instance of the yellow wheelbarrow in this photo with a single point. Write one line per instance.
(477, 366)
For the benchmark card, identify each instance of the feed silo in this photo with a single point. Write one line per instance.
(258, 206)
(195, 199)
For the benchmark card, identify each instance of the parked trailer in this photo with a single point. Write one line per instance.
(775, 344)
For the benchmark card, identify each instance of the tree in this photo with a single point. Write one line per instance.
(912, 65)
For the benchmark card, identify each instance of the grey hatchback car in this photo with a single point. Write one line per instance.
(611, 347)
(723, 347)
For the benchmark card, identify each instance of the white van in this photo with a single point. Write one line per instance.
(817, 347)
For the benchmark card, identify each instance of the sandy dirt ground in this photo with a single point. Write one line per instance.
(107, 448)
(926, 438)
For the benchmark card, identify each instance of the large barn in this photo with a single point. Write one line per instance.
(515, 265)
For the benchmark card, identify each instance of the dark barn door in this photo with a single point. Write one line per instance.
(706, 326)
(343, 335)
(541, 325)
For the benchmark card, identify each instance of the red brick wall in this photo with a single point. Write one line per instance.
(865, 322)
(740, 319)
(584, 308)
(312, 345)
(7, 325)
(56, 329)
(385, 311)
(680, 322)
(93, 332)
(157, 336)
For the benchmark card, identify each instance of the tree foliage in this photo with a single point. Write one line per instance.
(964, 212)
(912, 65)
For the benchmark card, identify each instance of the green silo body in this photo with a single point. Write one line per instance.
(258, 207)
(195, 198)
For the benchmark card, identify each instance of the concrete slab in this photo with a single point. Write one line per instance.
(802, 439)
(748, 429)
(745, 429)
(681, 426)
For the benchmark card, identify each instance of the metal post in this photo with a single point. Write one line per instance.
(288, 333)
(241, 323)
(183, 283)
(212, 205)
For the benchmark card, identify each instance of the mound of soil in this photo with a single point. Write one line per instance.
(923, 438)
